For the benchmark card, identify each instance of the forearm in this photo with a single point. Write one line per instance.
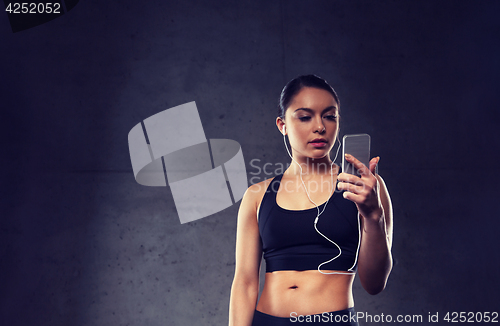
(375, 259)
(243, 302)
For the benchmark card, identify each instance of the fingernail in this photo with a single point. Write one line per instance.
(347, 155)
(378, 159)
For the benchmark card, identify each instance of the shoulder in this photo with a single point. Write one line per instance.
(255, 192)
(253, 196)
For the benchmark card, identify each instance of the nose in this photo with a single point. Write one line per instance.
(320, 127)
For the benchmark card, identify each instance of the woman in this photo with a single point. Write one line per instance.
(311, 251)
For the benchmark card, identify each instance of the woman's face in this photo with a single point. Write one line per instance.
(311, 123)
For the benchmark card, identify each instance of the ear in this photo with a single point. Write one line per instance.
(280, 123)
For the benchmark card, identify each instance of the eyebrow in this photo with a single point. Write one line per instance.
(324, 110)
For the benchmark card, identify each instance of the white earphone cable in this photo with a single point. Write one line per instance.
(350, 271)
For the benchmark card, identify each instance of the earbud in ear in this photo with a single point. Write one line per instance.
(284, 130)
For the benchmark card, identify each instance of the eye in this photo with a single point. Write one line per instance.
(305, 118)
(331, 117)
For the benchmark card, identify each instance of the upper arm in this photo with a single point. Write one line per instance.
(387, 205)
(248, 243)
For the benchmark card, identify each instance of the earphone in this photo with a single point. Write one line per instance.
(349, 271)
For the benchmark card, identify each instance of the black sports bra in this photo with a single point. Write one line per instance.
(290, 242)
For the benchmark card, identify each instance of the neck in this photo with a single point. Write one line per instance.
(311, 166)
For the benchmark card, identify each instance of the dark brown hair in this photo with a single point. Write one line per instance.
(295, 85)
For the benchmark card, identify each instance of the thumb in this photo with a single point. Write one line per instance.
(373, 164)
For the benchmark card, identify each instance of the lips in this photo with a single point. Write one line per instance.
(318, 142)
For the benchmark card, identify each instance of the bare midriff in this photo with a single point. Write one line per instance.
(305, 293)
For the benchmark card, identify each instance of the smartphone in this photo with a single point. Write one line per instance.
(358, 146)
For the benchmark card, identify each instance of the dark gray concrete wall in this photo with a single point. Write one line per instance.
(83, 244)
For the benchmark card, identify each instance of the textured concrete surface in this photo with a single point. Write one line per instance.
(81, 243)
